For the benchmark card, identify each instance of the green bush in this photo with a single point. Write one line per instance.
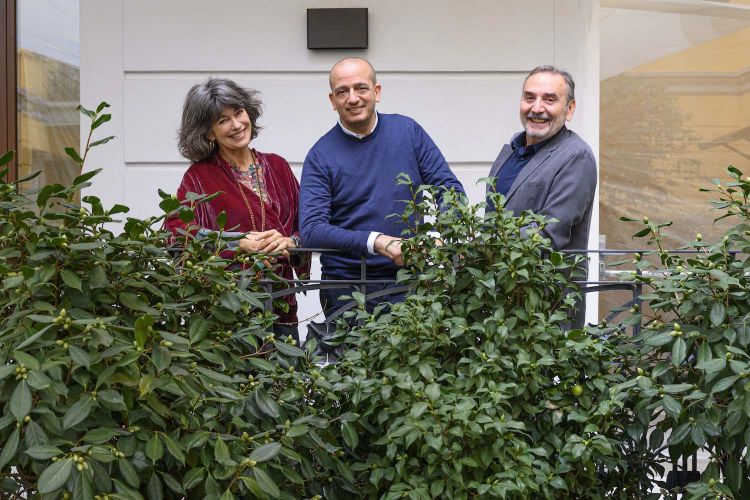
(694, 371)
(128, 372)
(473, 386)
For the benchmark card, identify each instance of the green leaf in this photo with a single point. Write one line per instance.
(111, 397)
(221, 452)
(265, 452)
(46, 192)
(418, 409)
(290, 395)
(172, 483)
(266, 404)
(676, 388)
(266, 483)
(717, 314)
(221, 220)
(9, 448)
(195, 440)
(99, 435)
(169, 204)
(43, 452)
(102, 105)
(6, 370)
(175, 448)
(432, 391)
(100, 120)
(85, 176)
(101, 141)
(214, 375)
(26, 359)
(77, 413)
(713, 366)
(74, 155)
(86, 112)
(289, 350)
(79, 356)
(28, 342)
(426, 370)
(252, 485)
(118, 209)
(679, 351)
(83, 488)
(134, 302)
(71, 279)
(193, 478)
(351, 438)
(734, 473)
(55, 476)
(20, 401)
(724, 384)
(98, 278)
(154, 448)
(141, 328)
(129, 474)
(160, 357)
(154, 488)
(679, 434)
(6, 158)
(659, 340)
(671, 405)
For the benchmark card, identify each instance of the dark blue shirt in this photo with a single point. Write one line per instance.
(513, 166)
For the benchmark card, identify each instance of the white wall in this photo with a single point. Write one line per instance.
(456, 67)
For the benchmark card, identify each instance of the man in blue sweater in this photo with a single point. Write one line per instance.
(349, 187)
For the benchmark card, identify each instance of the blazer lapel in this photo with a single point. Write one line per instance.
(539, 158)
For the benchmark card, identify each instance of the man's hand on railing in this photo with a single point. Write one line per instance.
(390, 247)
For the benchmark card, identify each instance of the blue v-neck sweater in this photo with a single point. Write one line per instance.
(349, 189)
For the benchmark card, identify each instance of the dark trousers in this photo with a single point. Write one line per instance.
(331, 302)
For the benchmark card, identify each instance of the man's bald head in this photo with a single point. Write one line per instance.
(352, 61)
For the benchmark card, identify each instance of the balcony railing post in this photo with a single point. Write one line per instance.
(363, 275)
(269, 301)
(637, 292)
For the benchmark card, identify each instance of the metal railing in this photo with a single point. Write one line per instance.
(305, 285)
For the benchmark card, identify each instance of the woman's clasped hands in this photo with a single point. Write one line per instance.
(269, 242)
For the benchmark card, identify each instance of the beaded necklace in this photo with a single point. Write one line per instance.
(257, 186)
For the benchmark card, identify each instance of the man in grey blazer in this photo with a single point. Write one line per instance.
(547, 168)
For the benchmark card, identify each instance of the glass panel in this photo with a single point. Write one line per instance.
(675, 96)
(48, 89)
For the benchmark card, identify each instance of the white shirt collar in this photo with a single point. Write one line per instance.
(354, 134)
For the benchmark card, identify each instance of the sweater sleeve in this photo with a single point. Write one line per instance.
(316, 199)
(432, 165)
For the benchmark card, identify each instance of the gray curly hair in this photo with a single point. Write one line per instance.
(204, 104)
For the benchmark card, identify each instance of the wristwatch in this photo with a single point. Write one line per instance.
(297, 242)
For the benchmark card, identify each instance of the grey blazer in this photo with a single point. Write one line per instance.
(558, 182)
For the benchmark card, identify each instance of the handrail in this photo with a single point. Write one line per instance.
(586, 286)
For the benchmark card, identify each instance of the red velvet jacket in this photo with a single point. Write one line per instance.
(215, 174)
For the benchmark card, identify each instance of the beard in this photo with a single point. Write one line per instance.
(553, 126)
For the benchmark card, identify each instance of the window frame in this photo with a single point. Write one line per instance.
(8, 85)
